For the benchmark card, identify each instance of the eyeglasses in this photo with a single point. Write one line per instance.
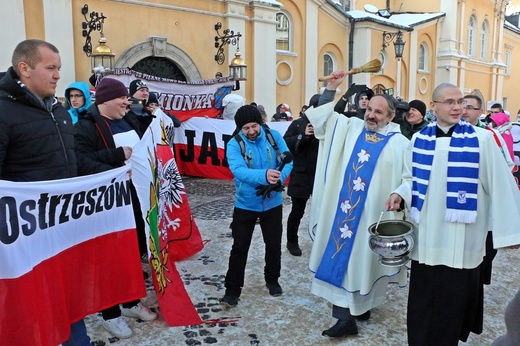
(75, 96)
(452, 103)
(471, 108)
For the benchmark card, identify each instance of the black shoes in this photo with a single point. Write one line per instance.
(363, 317)
(342, 328)
(229, 300)
(294, 249)
(274, 289)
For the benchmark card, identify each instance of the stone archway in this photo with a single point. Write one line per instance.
(158, 51)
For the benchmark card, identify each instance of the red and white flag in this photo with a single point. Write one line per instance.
(68, 248)
(172, 233)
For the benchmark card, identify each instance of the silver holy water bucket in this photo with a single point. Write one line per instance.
(392, 240)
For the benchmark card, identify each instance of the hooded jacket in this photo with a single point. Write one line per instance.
(76, 113)
(503, 127)
(36, 136)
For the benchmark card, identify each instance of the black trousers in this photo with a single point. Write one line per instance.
(293, 221)
(487, 262)
(242, 228)
(115, 311)
(341, 313)
(444, 305)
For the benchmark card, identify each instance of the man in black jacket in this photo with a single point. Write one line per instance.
(304, 147)
(36, 134)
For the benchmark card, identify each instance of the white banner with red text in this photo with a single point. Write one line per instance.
(185, 100)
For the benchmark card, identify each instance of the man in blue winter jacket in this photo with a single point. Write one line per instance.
(255, 162)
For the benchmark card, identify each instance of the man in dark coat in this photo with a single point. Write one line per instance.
(36, 134)
(304, 147)
(414, 119)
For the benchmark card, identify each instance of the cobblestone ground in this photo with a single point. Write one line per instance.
(295, 318)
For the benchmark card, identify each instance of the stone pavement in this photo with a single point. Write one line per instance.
(295, 318)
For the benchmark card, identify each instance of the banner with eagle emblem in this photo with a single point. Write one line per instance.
(172, 233)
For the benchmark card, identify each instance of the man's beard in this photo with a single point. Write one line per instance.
(254, 136)
(375, 127)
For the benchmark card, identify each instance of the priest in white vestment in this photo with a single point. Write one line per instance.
(360, 162)
(458, 186)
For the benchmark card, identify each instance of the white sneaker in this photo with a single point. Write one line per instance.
(139, 311)
(118, 327)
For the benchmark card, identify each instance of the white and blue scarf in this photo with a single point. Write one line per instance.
(462, 175)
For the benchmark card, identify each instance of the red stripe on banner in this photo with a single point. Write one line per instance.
(39, 307)
(207, 166)
(203, 113)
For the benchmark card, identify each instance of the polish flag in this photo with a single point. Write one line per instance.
(171, 230)
(68, 248)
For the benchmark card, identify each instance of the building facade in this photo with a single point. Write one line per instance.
(288, 44)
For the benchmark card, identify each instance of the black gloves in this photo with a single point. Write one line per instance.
(265, 190)
(354, 89)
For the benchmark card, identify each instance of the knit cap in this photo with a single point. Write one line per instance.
(109, 89)
(247, 114)
(137, 84)
(419, 105)
(313, 102)
(153, 98)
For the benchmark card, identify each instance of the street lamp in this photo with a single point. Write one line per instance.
(101, 57)
(398, 44)
(237, 67)
(399, 49)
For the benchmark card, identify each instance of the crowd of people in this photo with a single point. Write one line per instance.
(452, 175)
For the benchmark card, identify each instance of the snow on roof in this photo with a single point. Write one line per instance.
(399, 20)
(272, 2)
(511, 27)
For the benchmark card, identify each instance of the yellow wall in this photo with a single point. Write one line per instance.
(510, 83)
(129, 25)
(293, 93)
(33, 28)
(425, 80)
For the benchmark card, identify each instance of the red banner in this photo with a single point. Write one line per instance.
(200, 146)
(172, 232)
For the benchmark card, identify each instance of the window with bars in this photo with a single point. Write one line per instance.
(423, 57)
(328, 66)
(484, 34)
(283, 32)
(472, 32)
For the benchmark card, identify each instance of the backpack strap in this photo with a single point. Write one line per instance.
(242, 146)
(270, 139)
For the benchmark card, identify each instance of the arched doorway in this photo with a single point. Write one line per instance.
(159, 58)
(159, 67)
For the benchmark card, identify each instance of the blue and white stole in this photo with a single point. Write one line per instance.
(351, 202)
(462, 174)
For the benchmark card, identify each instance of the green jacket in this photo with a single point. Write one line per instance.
(408, 129)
